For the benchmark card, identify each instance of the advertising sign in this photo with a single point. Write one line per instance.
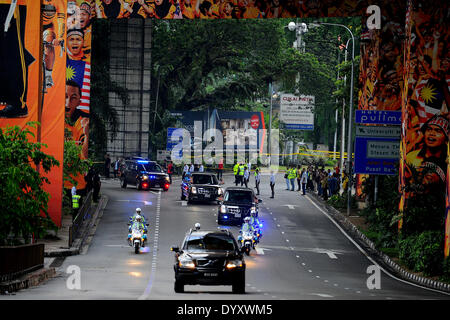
(297, 112)
(378, 117)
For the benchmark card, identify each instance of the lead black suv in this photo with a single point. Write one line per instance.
(203, 186)
(209, 258)
(237, 204)
(143, 174)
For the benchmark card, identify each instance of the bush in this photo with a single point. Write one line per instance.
(423, 252)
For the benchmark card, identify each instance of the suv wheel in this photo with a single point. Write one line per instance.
(123, 183)
(239, 284)
(138, 185)
(179, 286)
(183, 197)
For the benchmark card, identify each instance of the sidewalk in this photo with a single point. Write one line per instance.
(348, 224)
(58, 247)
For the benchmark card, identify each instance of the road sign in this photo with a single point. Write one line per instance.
(378, 117)
(376, 155)
(378, 131)
(297, 112)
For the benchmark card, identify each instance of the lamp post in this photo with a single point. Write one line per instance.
(273, 95)
(350, 113)
(300, 29)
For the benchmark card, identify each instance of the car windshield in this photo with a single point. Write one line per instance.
(149, 167)
(238, 196)
(204, 179)
(210, 242)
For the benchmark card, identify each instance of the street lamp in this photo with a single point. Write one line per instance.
(350, 112)
(273, 95)
(300, 29)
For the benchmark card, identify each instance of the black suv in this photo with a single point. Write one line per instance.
(202, 187)
(209, 258)
(237, 204)
(143, 174)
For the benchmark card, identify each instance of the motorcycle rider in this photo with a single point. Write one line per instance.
(138, 213)
(140, 219)
(247, 226)
(254, 221)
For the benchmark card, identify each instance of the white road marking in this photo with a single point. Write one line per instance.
(260, 251)
(290, 206)
(323, 295)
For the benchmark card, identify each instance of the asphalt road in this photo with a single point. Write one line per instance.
(303, 255)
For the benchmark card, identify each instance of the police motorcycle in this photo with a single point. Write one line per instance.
(247, 237)
(137, 234)
(258, 230)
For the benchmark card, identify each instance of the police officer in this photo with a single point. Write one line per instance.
(241, 174)
(236, 171)
(257, 179)
(291, 176)
(75, 204)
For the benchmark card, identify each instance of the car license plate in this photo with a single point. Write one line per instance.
(211, 274)
(207, 194)
(237, 215)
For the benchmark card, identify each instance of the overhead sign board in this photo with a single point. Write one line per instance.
(378, 117)
(297, 112)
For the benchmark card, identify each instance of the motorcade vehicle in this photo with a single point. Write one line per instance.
(201, 187)
(237, 203)
(209, 257)
(144, 174)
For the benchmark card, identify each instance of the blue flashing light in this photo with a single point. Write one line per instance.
(152, 177)
(225, 217)
(142, 161)
(260, 225)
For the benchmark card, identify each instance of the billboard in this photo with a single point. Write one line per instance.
(297, 112)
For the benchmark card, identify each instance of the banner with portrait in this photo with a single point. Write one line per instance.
(19, 63)
(78, 79)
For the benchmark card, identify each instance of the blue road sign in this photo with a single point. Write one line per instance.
(376, 155)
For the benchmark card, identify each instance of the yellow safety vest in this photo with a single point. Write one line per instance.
(241, 170)
(236, 169)
(75, 201)
(292, 173)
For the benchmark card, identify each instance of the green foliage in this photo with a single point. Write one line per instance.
(340, 201)
(73, 164)
(23, 203)
(423, 252)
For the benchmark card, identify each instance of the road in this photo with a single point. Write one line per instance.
(303, 255)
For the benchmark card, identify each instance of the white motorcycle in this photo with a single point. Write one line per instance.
(137, 238)
(247, 241)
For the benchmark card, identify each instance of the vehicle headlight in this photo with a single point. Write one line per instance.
(144, 177)
(253, 210)
(223, 209)
(167, 179)
(186, 264)
(194, 190)
(220, 191)
(234, 264)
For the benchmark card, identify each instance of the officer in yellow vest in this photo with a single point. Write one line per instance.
(291, 176)
(75, 204)
(241, 174)
(235, 171)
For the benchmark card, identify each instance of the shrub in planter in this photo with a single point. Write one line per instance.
(423, 252)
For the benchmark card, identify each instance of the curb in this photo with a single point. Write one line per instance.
(30, 280)
(379, 256)
(79, 241)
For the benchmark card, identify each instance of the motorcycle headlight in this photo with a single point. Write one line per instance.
(194, 190)
(223, 209)
(186, 264)
(234, 264)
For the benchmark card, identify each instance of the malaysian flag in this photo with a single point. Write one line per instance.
(80, 72)
(429, 98)
(365, 34)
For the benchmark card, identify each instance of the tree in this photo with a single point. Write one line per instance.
(23, 203)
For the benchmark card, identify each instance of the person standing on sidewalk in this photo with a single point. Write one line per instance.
(325, 186)
(107, 165)
(286, 176)
(97, 184)
(299, 177)
(272, 183)
(75, 204)
(236, 172)
(304, 180)
(246, 176)
(292, 176)
(116, 167)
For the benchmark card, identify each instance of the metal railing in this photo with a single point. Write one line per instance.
(16, 261)
(83, 214)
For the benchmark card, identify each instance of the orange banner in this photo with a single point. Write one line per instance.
(20, 63)
(53, 98)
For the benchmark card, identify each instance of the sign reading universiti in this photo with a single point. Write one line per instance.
(377, 131)
(378, 117)
(297, 112)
